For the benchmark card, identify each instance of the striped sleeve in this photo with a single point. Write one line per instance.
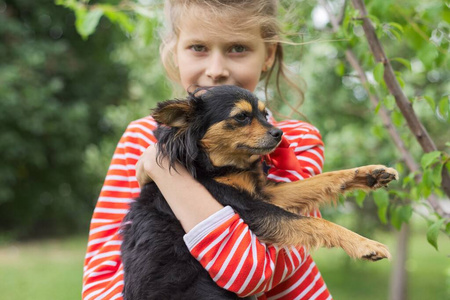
(238, 262)
(235, 259)
(103, 270)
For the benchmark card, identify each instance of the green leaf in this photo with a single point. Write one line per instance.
(408, 180)
(397, 26)
(395, 218)
(359, 197)
(399, 167)
(397, 118)
(403, 61)
(400, 81)
(430, 158)
(437, 174)
(118, 17)
(341, 199)
(446, 14)
(400, 215)
(389, 102)
(377, 108)
(415, 193)
(428, 54)
(381, 198)
(399, 194)
(87, 21)
(430, 102)
(433, 232)
(340, 69)
(425, 190)
(378, 72)
(427, 178)
(443, 108)
(406, 213)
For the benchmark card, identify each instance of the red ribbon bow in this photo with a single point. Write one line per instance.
(284, 157)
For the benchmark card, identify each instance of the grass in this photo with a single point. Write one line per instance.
(428, 270)
(52, 269)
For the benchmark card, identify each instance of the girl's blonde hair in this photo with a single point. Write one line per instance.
(245, 13)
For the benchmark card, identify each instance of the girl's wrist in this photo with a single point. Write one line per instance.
(162, 171)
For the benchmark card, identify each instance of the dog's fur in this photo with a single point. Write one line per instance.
(219, 136)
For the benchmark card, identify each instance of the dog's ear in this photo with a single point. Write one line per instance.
(178, 139)
(174, 113)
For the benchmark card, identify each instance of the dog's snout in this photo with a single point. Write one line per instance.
(276, 133)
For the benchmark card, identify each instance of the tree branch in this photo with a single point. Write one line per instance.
(402, 101)
(384, 114)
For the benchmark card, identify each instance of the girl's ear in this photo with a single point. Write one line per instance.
(174, 113)
(271, 50)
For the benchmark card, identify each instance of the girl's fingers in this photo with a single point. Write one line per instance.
(144, 165)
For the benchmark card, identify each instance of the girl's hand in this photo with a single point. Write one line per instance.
(189, 200)
(144, 166)
(147, 169)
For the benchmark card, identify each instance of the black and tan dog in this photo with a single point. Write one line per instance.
(219, 136)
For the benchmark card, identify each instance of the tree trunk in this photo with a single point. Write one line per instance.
(399, 276)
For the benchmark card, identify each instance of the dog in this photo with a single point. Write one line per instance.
(219, 135)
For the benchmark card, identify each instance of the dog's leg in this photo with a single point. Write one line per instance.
(312, 192)
(315, 232)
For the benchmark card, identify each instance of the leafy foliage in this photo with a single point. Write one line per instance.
(54, 88)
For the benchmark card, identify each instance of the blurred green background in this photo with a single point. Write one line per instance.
(65, 101)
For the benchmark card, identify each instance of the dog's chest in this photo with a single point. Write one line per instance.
(249, 182)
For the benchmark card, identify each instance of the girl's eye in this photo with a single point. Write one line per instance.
(238, 49)
(242, 117)
(198, 48)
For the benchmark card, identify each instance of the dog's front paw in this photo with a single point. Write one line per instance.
(374, 251)
(377, 175)
(368, 250)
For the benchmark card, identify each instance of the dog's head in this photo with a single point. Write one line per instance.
(224, 126)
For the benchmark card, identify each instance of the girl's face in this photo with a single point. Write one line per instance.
(205, 58)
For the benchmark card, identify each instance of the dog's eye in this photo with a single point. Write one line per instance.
(242, 117)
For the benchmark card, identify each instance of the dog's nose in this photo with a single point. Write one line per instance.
(276, 133)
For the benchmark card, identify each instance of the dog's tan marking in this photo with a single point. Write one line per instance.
(222, 146)
(241, 106)
(261, 106)
(244, 181)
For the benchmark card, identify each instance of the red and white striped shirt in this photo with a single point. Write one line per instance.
(222, 243)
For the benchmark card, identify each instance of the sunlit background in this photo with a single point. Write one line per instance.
(65, 100)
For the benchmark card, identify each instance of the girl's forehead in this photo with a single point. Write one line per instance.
(207, 26)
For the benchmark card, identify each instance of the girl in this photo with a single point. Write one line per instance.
(210, 42)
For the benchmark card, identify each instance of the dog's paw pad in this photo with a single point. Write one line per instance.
(381, 177)
(375, 256)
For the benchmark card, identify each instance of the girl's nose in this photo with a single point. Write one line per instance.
(217, 67)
